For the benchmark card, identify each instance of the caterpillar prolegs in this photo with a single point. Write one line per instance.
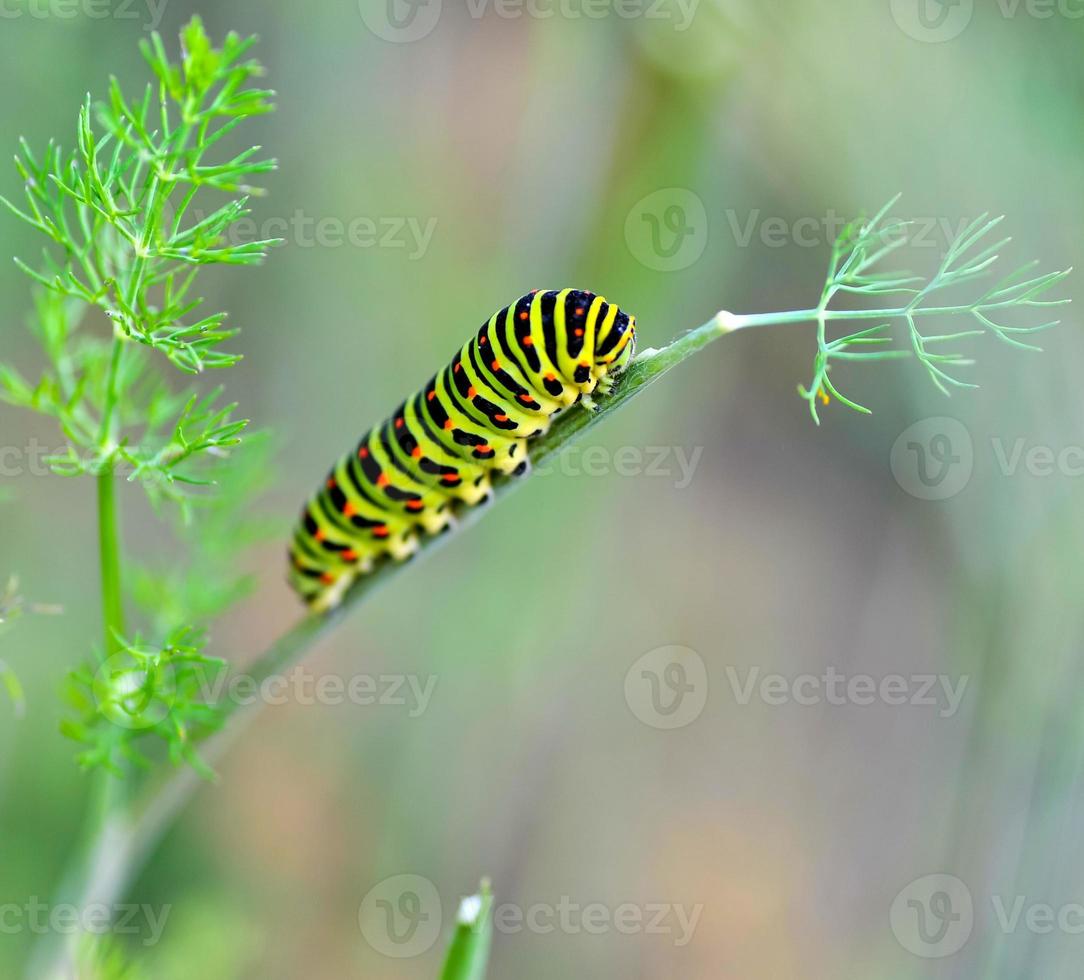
(439, 449)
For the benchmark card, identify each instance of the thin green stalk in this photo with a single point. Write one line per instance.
(119, 855)
(109, 556)
(468, 952)
(112, 395)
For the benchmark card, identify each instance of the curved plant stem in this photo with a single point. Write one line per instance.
(129, 836)
(126, 837)
(109, 558)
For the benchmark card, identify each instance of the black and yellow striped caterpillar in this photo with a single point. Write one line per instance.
(534, 358)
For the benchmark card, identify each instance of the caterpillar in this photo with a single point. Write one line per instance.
(441, 447)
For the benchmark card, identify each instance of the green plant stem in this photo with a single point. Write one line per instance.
(126, 840)
(129, 839)
(109, 555)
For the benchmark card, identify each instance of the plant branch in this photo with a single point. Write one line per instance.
(131, 836)
(128, 839)
(109, 557)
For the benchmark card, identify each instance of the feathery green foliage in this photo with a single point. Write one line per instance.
(132, 216)
(856, 268)
(128, 233)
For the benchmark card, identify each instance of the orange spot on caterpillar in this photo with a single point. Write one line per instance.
(579, 311)
(484, 448)
(472, 391)
(549, 377)
(381, 531)
(447, 424)
(585, 364)
(319, 535)
(331, 484)
(578, 331)
(350, 555)
(501, 418)
(398, 423)
(450, 477)
(414, 505)
(416, 452)
(528, 341)
(431, 396)
(458, 367)
(363, 453)
(327, 578)
(496, 365)
(483, 340)
(349, 510)
(523, 315)
(382, 480)
(526, 399)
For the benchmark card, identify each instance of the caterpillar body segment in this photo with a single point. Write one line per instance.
(440, 448)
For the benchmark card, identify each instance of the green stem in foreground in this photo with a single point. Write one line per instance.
(468, 952)
(109, 556)
(121, 850)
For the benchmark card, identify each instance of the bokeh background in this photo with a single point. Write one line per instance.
(532, 146)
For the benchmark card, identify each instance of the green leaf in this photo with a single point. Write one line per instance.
(200, 58)
(468, 953)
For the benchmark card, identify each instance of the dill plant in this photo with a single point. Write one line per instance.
(130, 221)
(128, 231)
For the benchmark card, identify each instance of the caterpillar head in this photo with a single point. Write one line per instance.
(615, 342)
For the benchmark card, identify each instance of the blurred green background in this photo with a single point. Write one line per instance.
(527, 145)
